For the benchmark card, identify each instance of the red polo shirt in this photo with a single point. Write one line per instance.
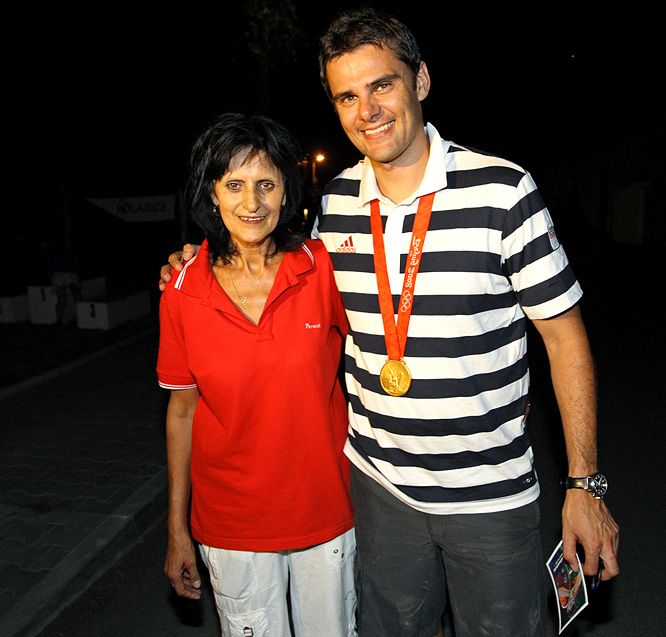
(268, 470)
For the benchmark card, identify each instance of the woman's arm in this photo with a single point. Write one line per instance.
(180, 565)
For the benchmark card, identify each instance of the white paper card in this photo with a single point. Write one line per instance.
(569, 585)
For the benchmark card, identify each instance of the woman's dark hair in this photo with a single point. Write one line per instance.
(225, 137)
(356, 27)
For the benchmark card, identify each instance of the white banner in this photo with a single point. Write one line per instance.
(158, 208)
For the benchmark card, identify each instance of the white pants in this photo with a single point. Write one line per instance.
(251, 590)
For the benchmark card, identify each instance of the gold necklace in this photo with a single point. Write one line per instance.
(241, 299)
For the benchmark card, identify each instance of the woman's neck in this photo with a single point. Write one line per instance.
(253, 258)
(248, 277)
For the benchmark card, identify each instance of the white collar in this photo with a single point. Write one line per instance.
(433, 180)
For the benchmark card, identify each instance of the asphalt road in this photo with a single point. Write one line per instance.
(133, 598)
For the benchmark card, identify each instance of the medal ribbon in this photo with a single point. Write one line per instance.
(396, 336)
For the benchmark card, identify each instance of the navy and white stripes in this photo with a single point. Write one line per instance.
(456, 442)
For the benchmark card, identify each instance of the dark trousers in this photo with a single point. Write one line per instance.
(489, 567)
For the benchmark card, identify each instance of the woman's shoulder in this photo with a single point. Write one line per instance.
(193, 278)
(311, 252)
(316, 247)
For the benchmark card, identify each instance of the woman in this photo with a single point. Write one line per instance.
(250, 339)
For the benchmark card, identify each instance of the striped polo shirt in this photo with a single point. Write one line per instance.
(457, 441)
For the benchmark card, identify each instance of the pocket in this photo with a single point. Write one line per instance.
(233, 574)
(246, 625)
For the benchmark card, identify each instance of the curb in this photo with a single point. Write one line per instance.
(115, 536)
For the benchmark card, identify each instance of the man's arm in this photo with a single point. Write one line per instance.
(176, 262)
(180, 565)
(585, 520)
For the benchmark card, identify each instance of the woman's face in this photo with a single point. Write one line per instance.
(250, 195)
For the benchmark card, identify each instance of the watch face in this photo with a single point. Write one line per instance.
(599, 485)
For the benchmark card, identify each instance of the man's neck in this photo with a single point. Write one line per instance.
(399, 179)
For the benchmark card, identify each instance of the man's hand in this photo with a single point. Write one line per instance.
(587, 521)
(181, 567)
(176, 262)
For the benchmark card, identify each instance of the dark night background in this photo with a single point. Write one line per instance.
(104, 100)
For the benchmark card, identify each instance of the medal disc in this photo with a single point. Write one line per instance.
(395, 378)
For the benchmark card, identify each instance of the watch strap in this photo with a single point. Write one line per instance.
(595, 484)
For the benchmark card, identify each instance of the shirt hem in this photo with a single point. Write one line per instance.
(273, 544)
(494, 505)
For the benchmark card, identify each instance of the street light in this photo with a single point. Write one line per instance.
(317, 158)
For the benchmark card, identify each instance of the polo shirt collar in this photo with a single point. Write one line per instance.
(197, 280)
(295, 264)
(193, 278)
(434, 178)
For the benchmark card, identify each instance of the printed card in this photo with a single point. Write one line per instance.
(569, 584)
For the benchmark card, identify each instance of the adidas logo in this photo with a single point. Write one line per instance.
(346, 246)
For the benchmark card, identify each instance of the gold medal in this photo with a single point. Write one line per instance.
(395, 377)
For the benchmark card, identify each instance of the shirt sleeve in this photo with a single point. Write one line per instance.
(533, 258)
(172, 369)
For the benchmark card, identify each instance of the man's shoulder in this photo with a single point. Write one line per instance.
(467, 165)
(346, 182)
(477, 157)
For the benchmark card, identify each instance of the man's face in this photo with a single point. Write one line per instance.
(378, 104)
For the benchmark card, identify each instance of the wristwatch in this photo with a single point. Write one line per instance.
(596, 484)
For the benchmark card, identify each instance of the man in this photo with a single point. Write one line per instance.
(459, 246)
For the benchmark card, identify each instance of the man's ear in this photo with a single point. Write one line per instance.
(422, 82)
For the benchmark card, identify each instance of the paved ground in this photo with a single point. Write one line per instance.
(82, 471)
(82, 461)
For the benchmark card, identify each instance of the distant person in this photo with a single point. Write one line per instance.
(63, 272)
(251, 335)
(459, 241)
